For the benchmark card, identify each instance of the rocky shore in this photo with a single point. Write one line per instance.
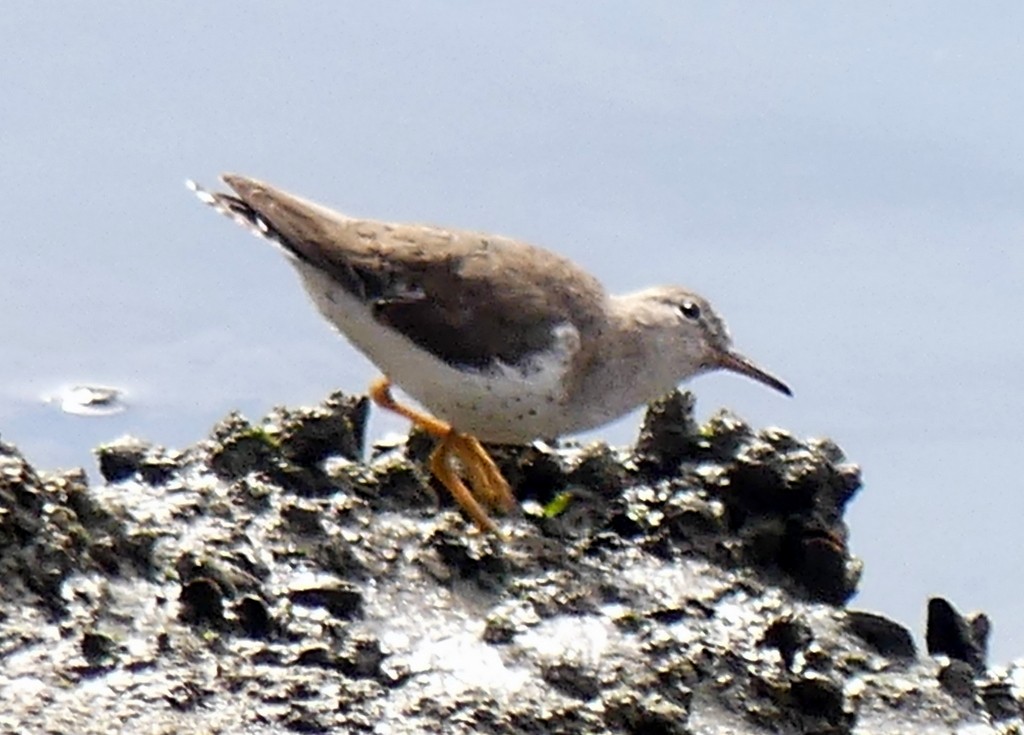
(279, 577)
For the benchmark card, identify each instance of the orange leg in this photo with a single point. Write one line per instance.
(487, 480)
(441, 466)
(484, 473)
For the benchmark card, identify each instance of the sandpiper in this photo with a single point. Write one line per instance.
(499, 340)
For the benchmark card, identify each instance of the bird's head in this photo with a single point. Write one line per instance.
(698, 335)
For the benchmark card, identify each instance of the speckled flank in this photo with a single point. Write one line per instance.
(501, 404)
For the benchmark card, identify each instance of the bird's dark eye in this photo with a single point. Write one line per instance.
(690, 310)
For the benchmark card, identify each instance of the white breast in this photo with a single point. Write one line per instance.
(504, 404)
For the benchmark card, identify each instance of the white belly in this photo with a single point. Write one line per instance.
(503, 405)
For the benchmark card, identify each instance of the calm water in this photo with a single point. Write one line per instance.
(845, 185)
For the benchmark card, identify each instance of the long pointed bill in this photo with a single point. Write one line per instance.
(737, 363)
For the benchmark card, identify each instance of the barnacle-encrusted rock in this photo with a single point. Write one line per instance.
(272, 579)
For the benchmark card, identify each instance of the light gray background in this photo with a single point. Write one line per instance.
(844, 182)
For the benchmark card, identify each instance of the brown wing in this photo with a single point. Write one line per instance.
(469, 298)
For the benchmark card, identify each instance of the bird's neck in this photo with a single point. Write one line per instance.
(633, 358)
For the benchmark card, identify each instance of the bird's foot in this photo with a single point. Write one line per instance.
(441, 466)
(489, 486)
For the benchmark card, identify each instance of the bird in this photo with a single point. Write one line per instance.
(498, 340)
